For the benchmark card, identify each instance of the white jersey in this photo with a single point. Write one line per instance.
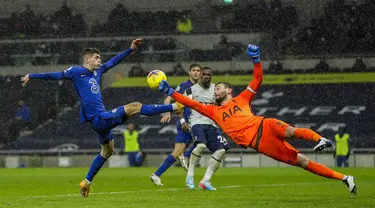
(202, 95)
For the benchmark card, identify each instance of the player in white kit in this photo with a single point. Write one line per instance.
(205, 132)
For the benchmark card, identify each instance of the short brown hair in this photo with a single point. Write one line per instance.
(89, 51)
(226, 85)
(194, 65)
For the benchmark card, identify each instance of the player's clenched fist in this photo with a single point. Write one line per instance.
(136, 43)
(254, 52)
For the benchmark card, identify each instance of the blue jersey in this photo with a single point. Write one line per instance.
(87, 84)
(181, 89)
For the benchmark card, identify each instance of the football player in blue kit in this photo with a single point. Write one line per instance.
(86, 79)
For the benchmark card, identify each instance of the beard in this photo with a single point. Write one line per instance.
(220, 99)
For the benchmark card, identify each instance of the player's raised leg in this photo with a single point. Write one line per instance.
(97, 163)
(106, 121)
(272, 144)
(324, 171)
(150, 110)
(307, 134)
(284, 130)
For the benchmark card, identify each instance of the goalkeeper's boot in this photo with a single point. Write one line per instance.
(206, 185)
(84, 188)
(156, 180)
(323, 143)
(349, 182)
(190, 182)
(184, 162)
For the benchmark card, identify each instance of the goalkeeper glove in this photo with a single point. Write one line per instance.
(164, 87)
(254, 52)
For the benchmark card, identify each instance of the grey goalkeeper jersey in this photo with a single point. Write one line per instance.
(202, 95)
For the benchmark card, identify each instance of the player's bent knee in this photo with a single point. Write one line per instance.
(179, 149)
(219, 154)
(199, 149)
(302, 160)
(107, 152)
(132, 108)
(289, 132)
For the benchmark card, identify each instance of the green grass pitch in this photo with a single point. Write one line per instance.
(131, 187)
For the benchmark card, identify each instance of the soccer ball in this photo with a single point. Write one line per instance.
(154, 78)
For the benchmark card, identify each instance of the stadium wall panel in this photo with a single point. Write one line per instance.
(249, 159)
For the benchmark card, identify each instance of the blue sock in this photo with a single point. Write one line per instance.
(168, 162)
(188, 153)
(97, 163)
(150, 110)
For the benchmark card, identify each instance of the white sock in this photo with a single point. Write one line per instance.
(213, 164)
(89, 182)
(195, 158)
(174, 106)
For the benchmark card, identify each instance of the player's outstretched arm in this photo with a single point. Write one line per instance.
(66, 74)
(49, 76)
(201, 108)
(249, 93)
(120, 57)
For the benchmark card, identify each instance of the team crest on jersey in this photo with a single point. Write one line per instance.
(95, 73)
(94, 86)
(114, 110)
(178, 88)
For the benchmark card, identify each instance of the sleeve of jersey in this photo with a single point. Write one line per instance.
(66, 74)
(115, 60)
(48, 76)
(205, 110)
(188, 92)
(252, 88)
(181, 88)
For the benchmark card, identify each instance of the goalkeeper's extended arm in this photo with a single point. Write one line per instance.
(201, 108)
(252, 88)
(257, 77)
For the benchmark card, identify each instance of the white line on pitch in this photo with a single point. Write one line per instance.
(178, 189)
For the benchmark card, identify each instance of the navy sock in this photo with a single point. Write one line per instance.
(190, 150)
(150, 110)
(168, 162)
(97, 163)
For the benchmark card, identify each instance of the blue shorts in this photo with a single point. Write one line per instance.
(210, 136)
(106, 121)
(183, 136)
